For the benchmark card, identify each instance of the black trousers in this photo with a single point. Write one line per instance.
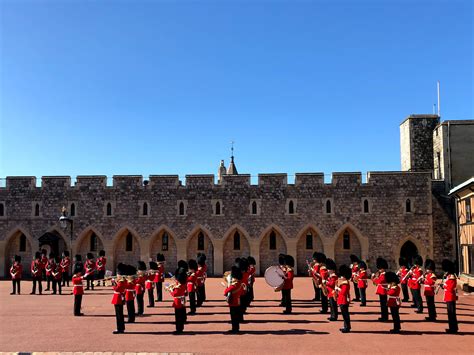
(200, 295)
(406, 297)
(430, 303)
(119, 317)
(140, 303)
(287, 299)
(383, 307)
(204, 292)
(324, 303)
(356, 291)
(395, 311)
(131, 311)
(251, 295)
(159, 291)
(90, 282)
(151, 299)
(244, 302)
(192, 302)
(180, 318)
(16, 286)
(49, 281)
(346, 316)
(416, 293)
(334, 309)
(452, 319)
(57, 286)
(363, 296)
(66, 278)
(235, 318)
(77, 304)
(100, 276)
(317, 293)
(40, 286)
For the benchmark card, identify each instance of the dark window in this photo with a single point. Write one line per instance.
(93, 246)
(22, 242)
(254, 207)
(438, 158)
(109, 209)
(328, 206)
(218, 207)
(145, 209)
(309, 241)
(181, 209)
(129, 242)
(346, 241)
(468, 210)
(200, 241)
(408, 205)
(291, 207)
(236, 241)
(2, 210)
(72, 210)
(37, 210)
(273, 241)
(164, 242)
(366, 206)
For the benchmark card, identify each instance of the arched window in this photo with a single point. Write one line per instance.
(164, 242)
(236, 241)
(72, 211)
(109, 209)
(273, 241)
(291, 207)
(2, 210)
(218, 208)
(145, 209)
(408, 205)
(328, 206)
(200, 241)
(37, 210)
(309, 241)
(346, 241)
(254, 207)
(22, 242)
(129, 242)
(181, 209)
(93, 242)
(366, 206)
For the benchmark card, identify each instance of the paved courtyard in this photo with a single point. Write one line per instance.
(45, 323)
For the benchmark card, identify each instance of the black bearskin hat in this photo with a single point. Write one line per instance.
(354, 258)
(18, 258)
(251, 260)
(192, 264)
(391, 277)
(102, 253)
(243, 264)
(362, 265)
(44, 252)
(236, 273)
(131, 270)
(37, 255)
(314, 255)
(345, 271)
(51, 255)
(153, 265)
(65, 253)
(78, 257)
(448, 266)
(160, 257)
(181, 275)
(141, 266)
(78, 268)
(201, 255)
(121, 269)
(331, 265)
(402, 262)
(182, 264)
(381, 263)
(430, 265)
(90, 256)
(320, 258)
(58, 259)
(289, 260)
(201, 260)
(418, 260)
(281, 259)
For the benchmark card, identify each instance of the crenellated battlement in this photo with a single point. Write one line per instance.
(131, 182)
(91, 181)
(272, 180)
(55, 182)
(20, 183)
(206, 180)
(164, 181)
(309, 179)
(242, 180)
(342, 178)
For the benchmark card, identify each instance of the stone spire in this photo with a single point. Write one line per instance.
(221, 172)
(232, 170)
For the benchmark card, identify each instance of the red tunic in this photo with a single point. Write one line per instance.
(245, 281)
(252, 272)
(331, 284)
(130, 291)
(450, 294)
(289, 275)
(200, 275)
(355, 271)
(323, 271)
(119, 290)
(140, 285)
(179, 296)
(78, 288)
(44, 261)
(381, 284)
(402, 273)
(16, 270)
(430, 280)
(36, 264)
(393, 296)
(344, 295)
(50, 266)
(415, 277)
(315, 273)
(362, 283)
(191, 282)
(235, 292)
(65, 263)
(89, 267)
(100, 263)
(58, 273)
(149, 282)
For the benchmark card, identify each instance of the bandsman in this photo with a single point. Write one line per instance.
(160, 277)
(323, 274)
(178, 292)
(119, 286)
(149, 284)
(201, 274)
(36, 273)
(89, 270)
(16, 271)
(140, 287)
(243, 264)
(393, 301)
(232, 293)
(100, 266)
(50, 266)
(44, 262)
(57, 274)
(252, 272)
(288, 283)
(65, 266)
(355, 274)
(191, 285)
(130, 293)
(314, 273)
(344, 296)
(450, 294)
(281, 264)
(379, 280)
(78, 287)
(330, 285)
(402, 274)
(414, 283)
(429, 282)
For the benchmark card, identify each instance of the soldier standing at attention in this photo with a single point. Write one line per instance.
(100, 265)
(78, 288)
(331, 284)
(119, 287)
(288, 283)
(429, 283)
(16, 270)
(362, 283)
(140, 286)
(344, 296)
(379, 279)
(65, 265)
(450, 295)
(36, 271)
(355, 274)
(402, 274)
(89, 271)
(393, 301)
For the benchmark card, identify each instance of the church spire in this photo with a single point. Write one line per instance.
(232, 170)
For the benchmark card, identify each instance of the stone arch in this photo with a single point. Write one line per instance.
(403, 242)
(54, 240)
(302, 253)
(83, 242)
(12, 248)
(121, 255)
(270, 257)
(192, 247)
(156, 246)
(229, 253)
(359, 245)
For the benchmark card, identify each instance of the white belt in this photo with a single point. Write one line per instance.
(396, 297)
(78, 285)
(131, 291)
(117, 293)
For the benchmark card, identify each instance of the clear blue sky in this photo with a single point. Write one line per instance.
(162, 87)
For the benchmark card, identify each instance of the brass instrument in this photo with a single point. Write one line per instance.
(324, 288)
(171, 287)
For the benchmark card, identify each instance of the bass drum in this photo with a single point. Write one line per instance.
(274, 276)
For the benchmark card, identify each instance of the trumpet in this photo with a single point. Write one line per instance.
(323, 288)
(171, 287)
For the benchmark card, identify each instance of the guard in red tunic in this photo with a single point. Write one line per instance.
(50, 266)
(414, 283)
(191, 285)
(355, 274)
(344, 296)
(160, 277)
(232, 293)
(252, 274)
(16, 270)
(393, 302)
(450, 294)
(314, 273)
(140, 286)
(44, 262)
(429, 282)
(100, 265)
(281, 264)
(36, 270)
(362, 282)
(330, 285)
(65, 266)
(323, 274)
(379, 280)
(403, 275)
(149, 283)
(89, 270)
(201, 279)
(57, 274)
(288, 283)
(119, 286)
(78, 288)
(243, 264)
(130, 293)
(178, 292)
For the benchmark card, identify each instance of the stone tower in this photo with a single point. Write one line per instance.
(416, 142)
(221, 172)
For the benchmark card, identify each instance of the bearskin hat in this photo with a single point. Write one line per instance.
(37, 255)
(391, 277)
(281, 259)
(90, 256)
(102, 253)
(160, 257)
(331, 265)
(236, 273)
(381, 263)
(402, 262)
(251, 260)
(237, 260)
(362, 265)
(202, 255)
(448, 266)
(243, 264)
(153, 265)
(44, 251)
(121, 269)
(201, 260)
(192, 264)
(354, 258)
(65, 253)
(58, 259)
(418, 260)
(51, 255)
(314, 255)
(18, 258)
(345, 271)
(430, 265)
(289, 260)
(131, 270)
(141, 266)
(181, 275)
(320, 257)
(78, 268)
(182, 264)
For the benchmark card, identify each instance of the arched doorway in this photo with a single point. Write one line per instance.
(126, 248)
(236, 245)
(53, 242)
(90, 243)
(201, 243)
(164, 243)
(271, 245)
(18, 244)
(408, 251)
(308, 242)
(347, 243)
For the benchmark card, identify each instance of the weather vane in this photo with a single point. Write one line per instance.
(232, 148)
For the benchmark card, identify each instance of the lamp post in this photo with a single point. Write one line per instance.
(64, 220)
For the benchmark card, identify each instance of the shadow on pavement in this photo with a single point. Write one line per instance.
(245, 332)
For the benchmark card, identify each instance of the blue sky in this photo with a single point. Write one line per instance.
(162, 87)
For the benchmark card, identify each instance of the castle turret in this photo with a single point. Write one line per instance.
(232, 170)
(221, 172)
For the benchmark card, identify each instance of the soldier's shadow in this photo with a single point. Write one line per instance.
(244, 332)
(409, 332)
(259, 321)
